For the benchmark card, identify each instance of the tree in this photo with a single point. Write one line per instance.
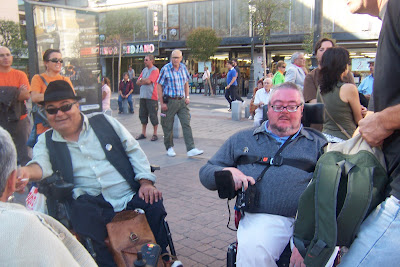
(203, 43)
(267, 16)
(11, 37)
(308, 41)
(121, 26)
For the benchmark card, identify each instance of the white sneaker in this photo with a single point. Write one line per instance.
(194, 152)
(250, 117)
(171, 152)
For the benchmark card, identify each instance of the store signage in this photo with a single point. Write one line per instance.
(134, 49)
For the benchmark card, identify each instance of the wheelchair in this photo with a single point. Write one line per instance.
(58, 193)
(312, 114)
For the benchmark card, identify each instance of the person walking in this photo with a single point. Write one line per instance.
(207, 82)
(173, 92)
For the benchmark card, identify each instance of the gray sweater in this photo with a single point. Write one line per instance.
(281, 186)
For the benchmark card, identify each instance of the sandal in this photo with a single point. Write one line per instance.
(141, 136)
(154, 138)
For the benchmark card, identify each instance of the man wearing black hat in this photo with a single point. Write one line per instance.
(108, 176)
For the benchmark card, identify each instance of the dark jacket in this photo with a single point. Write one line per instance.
(281, 186)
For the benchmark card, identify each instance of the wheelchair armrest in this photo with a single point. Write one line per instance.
(225, 184)
(55, 187)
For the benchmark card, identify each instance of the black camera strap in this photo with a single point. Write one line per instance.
(275, 160)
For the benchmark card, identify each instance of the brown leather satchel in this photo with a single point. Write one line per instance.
(127, 233)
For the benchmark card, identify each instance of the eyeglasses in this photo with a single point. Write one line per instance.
(63, 108)
(56, 60)
(289, 108)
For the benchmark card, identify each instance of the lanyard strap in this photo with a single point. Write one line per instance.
(275, 160)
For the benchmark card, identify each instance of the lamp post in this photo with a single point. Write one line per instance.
(251, 81)
(318, 14)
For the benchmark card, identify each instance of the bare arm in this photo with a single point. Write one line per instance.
(376, 127)
(37, 97)
(187, 100)
(349, 93)
(32, 172)
(23, 93)
(164, 106)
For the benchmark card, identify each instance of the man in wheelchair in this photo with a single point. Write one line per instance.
(108, 169)
(273, 163)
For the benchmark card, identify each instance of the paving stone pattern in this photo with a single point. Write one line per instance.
(196, 216)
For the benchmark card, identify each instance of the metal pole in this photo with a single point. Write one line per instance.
(251, 81)
(318, 15)
(30, 35)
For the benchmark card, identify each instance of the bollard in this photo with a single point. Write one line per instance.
(176, 128)
(236, 110)
(125, 106)
(247, 112)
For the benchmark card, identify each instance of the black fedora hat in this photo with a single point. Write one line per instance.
(59, 90)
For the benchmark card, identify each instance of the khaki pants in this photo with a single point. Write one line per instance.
(178, 107)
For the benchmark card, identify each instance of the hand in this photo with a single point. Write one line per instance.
(227, 87)
(164, 107)
(148, 192)
(22, 179)
(187, 101)
(296, 260)
(239, 178)
(372, 130)
(364, 111)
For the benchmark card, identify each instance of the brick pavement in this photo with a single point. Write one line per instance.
(197, 217)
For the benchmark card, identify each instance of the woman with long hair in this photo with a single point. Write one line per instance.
(52, 60)
(106, 94)
(343, 110)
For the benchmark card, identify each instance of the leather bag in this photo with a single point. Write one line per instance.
(127, 233)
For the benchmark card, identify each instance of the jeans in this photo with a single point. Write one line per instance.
(377, 242)
(130, 102)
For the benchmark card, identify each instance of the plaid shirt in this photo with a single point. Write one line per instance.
(173, 81)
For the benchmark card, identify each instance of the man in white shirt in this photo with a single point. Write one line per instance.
(261, 99)
(207, 82)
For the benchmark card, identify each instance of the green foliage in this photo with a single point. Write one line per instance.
(308, 41)
(11, 37)
(122, 25)
(203, 43)
(268, 16)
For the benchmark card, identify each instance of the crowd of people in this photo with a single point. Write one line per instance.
(111, 173)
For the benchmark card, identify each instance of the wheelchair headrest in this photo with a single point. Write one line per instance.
(312, 113)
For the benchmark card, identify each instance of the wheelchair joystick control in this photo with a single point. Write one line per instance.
(140, 262)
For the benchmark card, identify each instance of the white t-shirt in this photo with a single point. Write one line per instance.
(261, 96)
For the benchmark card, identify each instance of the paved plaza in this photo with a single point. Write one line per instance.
(197, 217)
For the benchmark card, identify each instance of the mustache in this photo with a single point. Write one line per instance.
(283, 116)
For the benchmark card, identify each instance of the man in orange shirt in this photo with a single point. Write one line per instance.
(14, 90)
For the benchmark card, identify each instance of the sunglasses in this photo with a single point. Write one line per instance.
(56, 60)
(63, 108)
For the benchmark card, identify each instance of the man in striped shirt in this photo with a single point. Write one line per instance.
(173, 92)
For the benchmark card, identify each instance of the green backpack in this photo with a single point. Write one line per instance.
(349, 181)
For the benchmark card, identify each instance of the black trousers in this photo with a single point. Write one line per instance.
(90, 215)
